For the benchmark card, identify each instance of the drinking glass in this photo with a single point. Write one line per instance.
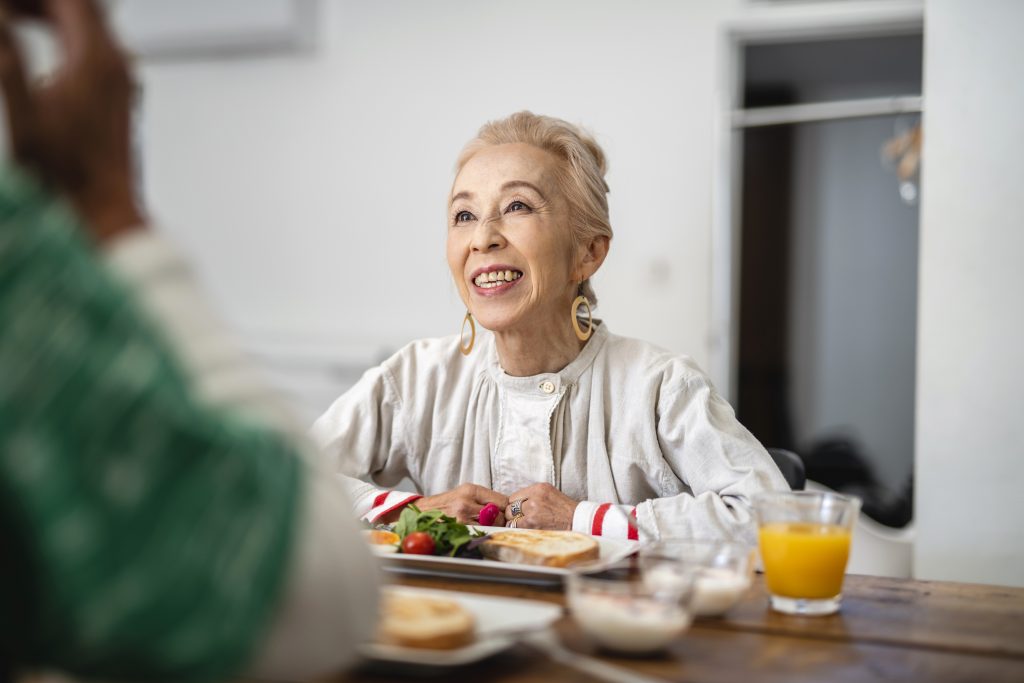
(804, 539)
(724, 569)
(622, 609)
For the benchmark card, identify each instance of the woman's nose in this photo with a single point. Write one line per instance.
(487, 236)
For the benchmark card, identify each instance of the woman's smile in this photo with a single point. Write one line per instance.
(495, 280)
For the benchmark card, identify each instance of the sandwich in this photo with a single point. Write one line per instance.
(540, 547)
(423, 621)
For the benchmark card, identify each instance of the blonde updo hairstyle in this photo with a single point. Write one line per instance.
(580, 172)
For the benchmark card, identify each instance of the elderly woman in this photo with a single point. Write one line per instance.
(553, 418)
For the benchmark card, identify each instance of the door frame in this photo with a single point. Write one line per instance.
(759, 24)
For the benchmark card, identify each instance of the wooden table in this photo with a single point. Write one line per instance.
(888, 630)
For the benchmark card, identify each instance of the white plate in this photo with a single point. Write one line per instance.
(609, 552)
(498, 623)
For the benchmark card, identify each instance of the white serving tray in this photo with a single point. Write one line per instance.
(610, 552)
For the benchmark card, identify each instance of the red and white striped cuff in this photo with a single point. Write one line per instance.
(605, 519)
(386, 501)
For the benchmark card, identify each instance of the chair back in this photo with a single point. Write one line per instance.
(791, 466)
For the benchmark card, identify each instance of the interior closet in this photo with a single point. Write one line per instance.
(828, 137)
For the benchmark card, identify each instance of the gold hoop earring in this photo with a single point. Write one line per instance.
(466, 348)
(580, 334)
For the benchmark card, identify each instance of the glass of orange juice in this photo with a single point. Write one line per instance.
(804, 539)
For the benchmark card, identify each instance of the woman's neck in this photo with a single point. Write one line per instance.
(542, 349)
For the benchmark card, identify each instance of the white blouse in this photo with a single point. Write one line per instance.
(626, 428)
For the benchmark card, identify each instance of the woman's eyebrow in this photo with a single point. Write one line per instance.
(522, 183)
(510, 185)
(461, 195)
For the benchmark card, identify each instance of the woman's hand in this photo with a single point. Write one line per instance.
(74, 132)
(545, 508)
(464, 503)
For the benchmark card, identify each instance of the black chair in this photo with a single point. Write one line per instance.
(791, 466)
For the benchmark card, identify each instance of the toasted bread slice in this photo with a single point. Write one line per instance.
(540, 547)
(423, 621)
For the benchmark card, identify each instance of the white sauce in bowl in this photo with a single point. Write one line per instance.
(628, 623)
(717, 590)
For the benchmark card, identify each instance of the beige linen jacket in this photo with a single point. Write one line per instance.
(626, 423)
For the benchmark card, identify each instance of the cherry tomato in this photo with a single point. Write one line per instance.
(418, 543)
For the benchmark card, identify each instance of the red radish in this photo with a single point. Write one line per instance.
(488, 514)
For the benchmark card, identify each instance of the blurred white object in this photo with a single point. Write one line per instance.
(878, 550)
(188, 29)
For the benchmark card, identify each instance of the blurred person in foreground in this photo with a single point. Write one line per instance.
(550, 415)
(156, 519)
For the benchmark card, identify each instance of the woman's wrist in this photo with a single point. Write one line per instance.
(387, 506)
(107, 216)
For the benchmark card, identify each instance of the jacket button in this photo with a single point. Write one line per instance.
(547, 387)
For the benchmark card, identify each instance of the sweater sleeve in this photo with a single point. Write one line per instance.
(330, 582)
(147, 534)
(166, 290)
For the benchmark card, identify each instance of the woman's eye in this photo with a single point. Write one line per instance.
(463, 216)
(516, 206)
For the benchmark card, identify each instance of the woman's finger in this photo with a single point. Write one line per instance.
(531, 522)
(486, 496)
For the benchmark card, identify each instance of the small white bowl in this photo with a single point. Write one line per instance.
(724, 570)
(621, 610)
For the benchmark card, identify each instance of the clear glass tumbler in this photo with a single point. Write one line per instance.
(724, 570)
(804, 539)
(623, 609)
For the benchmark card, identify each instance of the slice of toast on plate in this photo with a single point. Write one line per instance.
(542, 547)
(423, 621)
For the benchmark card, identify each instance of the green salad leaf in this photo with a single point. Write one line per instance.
(449, 535)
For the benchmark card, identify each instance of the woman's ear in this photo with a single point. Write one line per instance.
(592, 256)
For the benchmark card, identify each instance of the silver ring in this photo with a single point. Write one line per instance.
(512, 524)
(517, 507)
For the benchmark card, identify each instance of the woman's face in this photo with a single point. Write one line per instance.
(509, 242)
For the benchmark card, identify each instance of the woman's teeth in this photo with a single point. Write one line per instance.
(496, 277)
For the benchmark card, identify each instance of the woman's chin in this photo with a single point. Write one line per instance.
(496, 321)
(509, 318)
(496, 326)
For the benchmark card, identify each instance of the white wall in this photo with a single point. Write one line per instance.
(970, 431)
(311, 188)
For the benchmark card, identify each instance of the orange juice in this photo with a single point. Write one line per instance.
(804, 560)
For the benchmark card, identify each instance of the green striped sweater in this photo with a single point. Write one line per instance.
(144, 534)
